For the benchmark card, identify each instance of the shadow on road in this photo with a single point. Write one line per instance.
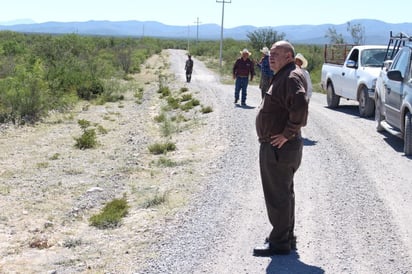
(352, 110)
(246, 106)
(394, 141)
(291, 265)
(309, 142)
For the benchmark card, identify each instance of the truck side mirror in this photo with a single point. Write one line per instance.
(351, 64)
(395, 75)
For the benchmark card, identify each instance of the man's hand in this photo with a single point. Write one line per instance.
(278, 140)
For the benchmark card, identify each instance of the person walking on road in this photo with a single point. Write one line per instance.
(242, 69)
(189, 68)
(281, 115)
(266, 73)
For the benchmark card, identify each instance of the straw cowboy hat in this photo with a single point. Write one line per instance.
(265, 51)
(246, 51)
(303, 59)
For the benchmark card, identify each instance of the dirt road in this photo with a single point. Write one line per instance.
(353, 197)
(353, 191)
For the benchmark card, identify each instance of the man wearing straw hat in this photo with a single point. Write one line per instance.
(301, 62)
(242, 69)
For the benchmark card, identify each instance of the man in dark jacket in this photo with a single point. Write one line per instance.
(282, 114)
(242, 68)
(189, 68)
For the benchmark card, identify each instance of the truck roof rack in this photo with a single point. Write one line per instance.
(395, 43)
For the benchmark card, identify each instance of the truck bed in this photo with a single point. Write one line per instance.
(336, 53)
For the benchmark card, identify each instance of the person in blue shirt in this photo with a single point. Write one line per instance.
(266, 72)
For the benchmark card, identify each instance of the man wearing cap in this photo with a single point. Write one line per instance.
(242, 69)
(301, 62)
(282, 114)
(266, 73)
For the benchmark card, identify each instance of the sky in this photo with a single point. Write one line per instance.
(260, 13)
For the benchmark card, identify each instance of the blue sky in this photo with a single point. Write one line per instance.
(259, 13)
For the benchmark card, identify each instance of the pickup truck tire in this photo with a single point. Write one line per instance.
(379, 117)
(366, 104)
(331, 98)
(407, 135)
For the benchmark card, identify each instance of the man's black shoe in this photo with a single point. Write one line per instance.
(293, 243)
(269, 249)
(292, 239)
(236, 100)
(243, 104)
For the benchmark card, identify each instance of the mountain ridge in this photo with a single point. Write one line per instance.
(376, 31)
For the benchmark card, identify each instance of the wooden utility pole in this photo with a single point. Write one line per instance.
(197, 29)
(221, 28)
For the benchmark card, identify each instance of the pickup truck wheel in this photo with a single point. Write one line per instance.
(407, 135)
(366, 104)
(331, 98)
(378, 114)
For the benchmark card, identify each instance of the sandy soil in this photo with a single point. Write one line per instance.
(49, 188)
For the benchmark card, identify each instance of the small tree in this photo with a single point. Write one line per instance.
(264, 38)
(357, 32)
(334, 37)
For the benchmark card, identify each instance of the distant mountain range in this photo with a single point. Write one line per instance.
(376, 32)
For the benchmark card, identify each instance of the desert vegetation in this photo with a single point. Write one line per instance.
(40, 73)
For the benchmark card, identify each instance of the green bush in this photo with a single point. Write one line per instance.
(88, 139)
(164, 91)
(111, 215)
(24, 97)
(173, 102)
(165, 162)
(168, 127)
(207, 109)
(189, 104)
(186, 97)
(155, 201)
(160, 118)
(162, 148)
(90, 91)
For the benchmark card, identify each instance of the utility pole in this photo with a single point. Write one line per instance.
(197, 29)
(221, 28)
(188, 35)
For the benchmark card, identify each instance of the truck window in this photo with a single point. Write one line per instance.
(402, 62)
(373, 57)
(354, 55)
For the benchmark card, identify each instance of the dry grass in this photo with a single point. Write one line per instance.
(49, 189)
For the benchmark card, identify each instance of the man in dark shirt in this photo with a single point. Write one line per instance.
(242, 68)
(189, 68)
(282, 114)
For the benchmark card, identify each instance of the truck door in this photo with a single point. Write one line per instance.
(394, 90)
(349, 78)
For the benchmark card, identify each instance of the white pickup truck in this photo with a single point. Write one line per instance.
(350, 72)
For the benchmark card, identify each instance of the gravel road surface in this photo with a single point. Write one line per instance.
(353, 196)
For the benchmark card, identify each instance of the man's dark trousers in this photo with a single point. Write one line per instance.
(277, 168)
